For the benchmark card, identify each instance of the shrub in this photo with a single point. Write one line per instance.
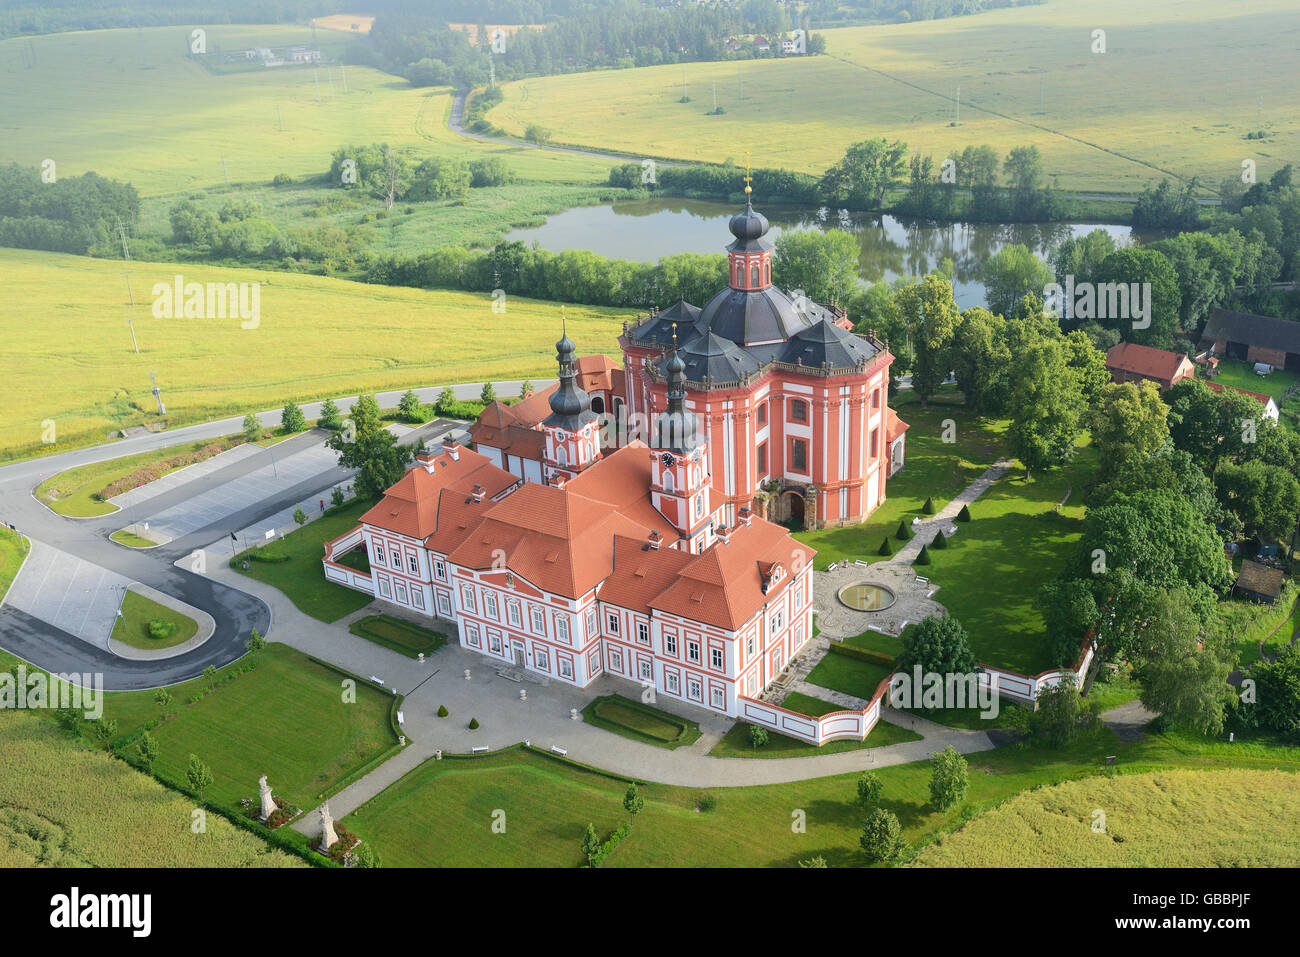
(473, 724)
(903, 533)
(885, 548)
(924, 557)
(442, 711)
(869, 788)
(938, 644)
(882, 836)
(706, 803)
(940, 540)
(928, 507)
(964, 514)
(160, 628)
(948, 778)
(757, 735)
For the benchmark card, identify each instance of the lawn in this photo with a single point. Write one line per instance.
(1241, 375)
(287, 719)
(933, 468)
(1166, 96)
(849, 675)
(1250, 623)
(130, 539)
(398, 635)
(65, 805)
(640, 722)
(442, 813)
(317, 337)
(1162, 819)
(132, 626)
(13, 549)
(301, 577)
(735, 743)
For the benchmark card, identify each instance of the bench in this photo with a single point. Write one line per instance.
(562, 752)
(922, 581)
(481, 749)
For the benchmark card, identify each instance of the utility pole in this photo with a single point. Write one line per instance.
(958, 102)
(126, 258)
(343, 69)
(329, 75)
(1042, 79)
(315, 75)
(157, 393)
(225, 169)
(715, 96)
(279, 117)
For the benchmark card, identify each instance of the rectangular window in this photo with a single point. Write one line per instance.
(541, 660)
(798, 411)
(591, 623)
(613, 624)
(777, 622)
(413, 564)
(615, 661)
(566, 667)
(799, 455)
(719, 698)
(670, 645)
(379, 555)
(873, 443)
(749, 647)
(642, 633)
(467, 598)
(397, 559)
(471, 634)
(400, 589)
(875, 398)
(512, 612)
(647, 670)
(440, 570)
(761, 413)
(490, 603)
(716, 656)
(693, 651)
(562, 627)
(670, 680)
(539, 621)
(494, 644)
(417, 597)
(694, 689)
(762, 459)
(383, 587)
(444, 606)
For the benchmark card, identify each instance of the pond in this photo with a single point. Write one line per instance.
(647, 230)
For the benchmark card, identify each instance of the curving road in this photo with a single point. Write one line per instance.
(236, 612)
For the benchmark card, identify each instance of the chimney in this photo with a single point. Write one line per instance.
(559, 479)
(451, 447)
(723, 534)
(654, 540)
(425, 459)
(744, 516)
(477, 493)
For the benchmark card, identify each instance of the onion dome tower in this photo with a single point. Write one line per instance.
(679, 467)
(572, 429)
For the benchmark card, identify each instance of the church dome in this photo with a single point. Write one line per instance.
(748, 316)
(748, 224)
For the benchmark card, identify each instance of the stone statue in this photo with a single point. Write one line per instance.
(264, 793)
(327, 836)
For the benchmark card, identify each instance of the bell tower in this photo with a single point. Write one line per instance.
(572, 429)
(749, 257)
(680, 485)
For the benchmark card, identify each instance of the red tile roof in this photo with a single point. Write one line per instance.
(1145, 361)
(1259, 397)
(409, 507)
(894, 426)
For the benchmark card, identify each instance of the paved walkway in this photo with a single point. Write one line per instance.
(923, 532)
(1128, 721)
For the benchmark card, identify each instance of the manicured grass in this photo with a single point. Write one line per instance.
(640, 722)
(877, 641)
(398, 635)
(933, 468)
(302, 577)
(308, 345)
(441, 813)
(132, 628)
(130, 539)
(13, 549)
(849, 675)
(287, 719)
(1241, 375)
(1250, 623)
(1162, 819)
(735, 743)
(1147, 105)
(1111, 691)
(63, 804)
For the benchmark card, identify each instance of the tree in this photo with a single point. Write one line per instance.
(199, 776)
(536, 133)
(823, 264)
(757, 736)
(162, 697)
(1184, 666)
(292, 420)
(446, 401)
(337, 498)
(255, 642)
(633, 802)
(1211, 426)
(882, 837)
(980, 360)
(438, 179)
(948, 778)
(815, 862)
(1119, 276)
(867, 172)
(299, 516)
(1277, 694)
(488, 394)
(1044, 403)
(1264, 497)
(374, 451)
(368, 857)
(1132, 424)
(1060, 714)
(930, 314)
(409, 406)
(391, 178)
(526, 389)
(1079, 257)
(147, 749)
(1024, 170)
(330, 416)
(105, 731)
(869, 788)
(590, 845)
(252, 428)
(1012, 273)
(939, 645)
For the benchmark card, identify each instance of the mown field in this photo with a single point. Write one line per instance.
(63, 805)
(70, 357)
(1181, 818)
(13, 549)
(132, 105)
(441, 814)
(1168, 95)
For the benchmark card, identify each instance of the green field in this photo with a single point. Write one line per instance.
(317, 337)
(184, 121)
(13, 549)
(286, 719)
(132, 628)
(442, 813)
(64, 805)
(1163, 819)
(1168, 95)
(301, 577)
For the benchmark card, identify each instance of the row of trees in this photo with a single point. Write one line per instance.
(40, 210)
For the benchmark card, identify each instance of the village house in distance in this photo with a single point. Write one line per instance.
(654, 557)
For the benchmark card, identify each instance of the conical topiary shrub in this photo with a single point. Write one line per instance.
(964, 514)
(885, 548)
(473, 724)
(924, 557)
(903, 533)
(928, 507)
(940, 541)
(442, 711)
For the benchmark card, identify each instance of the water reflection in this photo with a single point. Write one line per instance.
(649, 229)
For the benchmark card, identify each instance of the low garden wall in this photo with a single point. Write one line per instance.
(341, 574)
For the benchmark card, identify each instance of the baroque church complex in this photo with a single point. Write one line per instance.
(632, 521)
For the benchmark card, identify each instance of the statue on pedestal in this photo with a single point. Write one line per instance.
(327, 836)
(264, 794)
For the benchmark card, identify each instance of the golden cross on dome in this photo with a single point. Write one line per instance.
(674, 335)
(748, 178)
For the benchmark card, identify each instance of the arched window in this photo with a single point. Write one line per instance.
(598, 404)
(668, 480)
(561, 455)
(753, 275)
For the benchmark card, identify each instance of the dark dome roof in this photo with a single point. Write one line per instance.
(749, 316)
(709, 356)
(749, 226)
(826, 343)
